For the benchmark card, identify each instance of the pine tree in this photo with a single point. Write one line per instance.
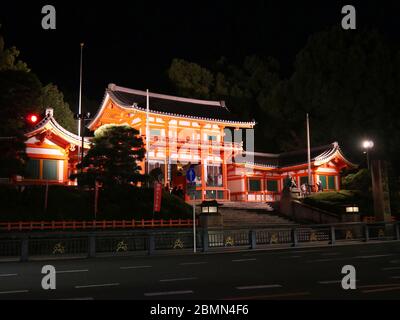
(113, 157)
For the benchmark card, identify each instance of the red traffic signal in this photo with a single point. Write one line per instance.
(33, 119)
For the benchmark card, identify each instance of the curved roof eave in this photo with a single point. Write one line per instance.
(60, 130)
(135, 107)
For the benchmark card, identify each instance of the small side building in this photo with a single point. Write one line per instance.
(264, 176)
(52, 151)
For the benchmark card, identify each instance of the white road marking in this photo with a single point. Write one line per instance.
(326, 260)
(135, 267)
(8, 275)
(332, 282)
(244, 260)
(16, 291)
(381, 285)
(382, 290)
(390, 268)
(72, 271)
(98, 285)
(192, 263)
(331, 254)
(272, 296)
(348, 258)
(374, 256)
(178, 279)
(305, 251)
(168, 293)
(263, 286)
(85, 298)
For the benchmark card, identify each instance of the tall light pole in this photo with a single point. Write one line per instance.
(80, 90)
(367, 146)
(310, 182)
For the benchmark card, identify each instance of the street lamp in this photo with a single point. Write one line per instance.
(367, 146)
(209, 207)
(352, 209)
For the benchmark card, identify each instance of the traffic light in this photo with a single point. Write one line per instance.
(32, 119)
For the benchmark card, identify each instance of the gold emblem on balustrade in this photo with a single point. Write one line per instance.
(274, 238)
(59, 248)
(381, 233)
(229, 241)
(122, 247)
(178, 244)
(313, 236)
(349, 235)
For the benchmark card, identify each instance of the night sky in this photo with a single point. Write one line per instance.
(132, 43)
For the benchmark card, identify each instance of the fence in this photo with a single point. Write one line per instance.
(89, 244)
(95, 224)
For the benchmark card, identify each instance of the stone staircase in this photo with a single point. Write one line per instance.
(247, 214)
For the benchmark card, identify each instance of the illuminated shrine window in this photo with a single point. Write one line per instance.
(254, 185)
(42, 169)
(272, 185)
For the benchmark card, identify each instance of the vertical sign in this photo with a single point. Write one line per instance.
(157, 196)
(191, 188)
(380, 190)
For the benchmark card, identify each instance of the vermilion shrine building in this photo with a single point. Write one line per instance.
(182, 132)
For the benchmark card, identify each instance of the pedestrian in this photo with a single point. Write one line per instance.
(303, 189)
(179, 192)
(320, 188)
(293, 184)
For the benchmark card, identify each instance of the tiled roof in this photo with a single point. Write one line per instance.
(171, 105)
(50, 119)
(295, 158)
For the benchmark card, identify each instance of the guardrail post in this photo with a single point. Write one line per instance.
(366, 233)
(397, 230)
(333, 236)
(253, 239)
(205, 239)
(151, 244)
(92, 246)
(294, 237)
(24, 249)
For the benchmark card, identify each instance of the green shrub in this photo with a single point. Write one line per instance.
(359, 180)
(336, 201)
(71, 203)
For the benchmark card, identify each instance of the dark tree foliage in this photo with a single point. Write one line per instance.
(113, 158)
(19, 93)
(243, 87)
(52, 97)
(345, 80)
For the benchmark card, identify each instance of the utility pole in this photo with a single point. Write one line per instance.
(80, 120)
(310, 182)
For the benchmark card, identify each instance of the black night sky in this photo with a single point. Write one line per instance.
(132, 43)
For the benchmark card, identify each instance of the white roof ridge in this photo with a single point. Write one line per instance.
(114, 87)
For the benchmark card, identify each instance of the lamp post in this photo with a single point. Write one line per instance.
(367, 146)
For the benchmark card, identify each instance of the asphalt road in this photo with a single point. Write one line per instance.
(298, 273)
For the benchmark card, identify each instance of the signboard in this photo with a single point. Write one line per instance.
(157, 196)
(191, 175)
(191, 181)
(380, 190)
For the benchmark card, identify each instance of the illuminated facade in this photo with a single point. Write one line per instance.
(179, 133)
